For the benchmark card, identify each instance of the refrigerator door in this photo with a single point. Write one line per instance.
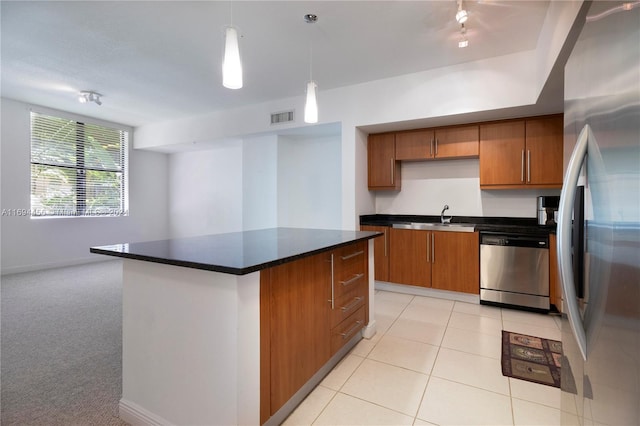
(601, 367)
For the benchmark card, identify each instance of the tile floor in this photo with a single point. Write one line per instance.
(433, 362)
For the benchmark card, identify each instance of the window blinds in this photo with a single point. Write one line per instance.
(77, 169)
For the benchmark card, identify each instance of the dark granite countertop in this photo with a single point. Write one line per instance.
(237, 253)
(484, 224)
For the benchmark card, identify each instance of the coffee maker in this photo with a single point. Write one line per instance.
(547, 209)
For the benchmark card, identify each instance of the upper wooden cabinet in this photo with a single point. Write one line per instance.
(384, 170)
(521, 153)
(441, 143)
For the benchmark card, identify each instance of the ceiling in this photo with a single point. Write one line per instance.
(156, 61)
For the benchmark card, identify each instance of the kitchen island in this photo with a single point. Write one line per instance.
(238, 328)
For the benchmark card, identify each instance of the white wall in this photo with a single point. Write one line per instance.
(260, 182)
(30, 244)
(309, 182)
(205, 190)
(427, 186)
(256, 183)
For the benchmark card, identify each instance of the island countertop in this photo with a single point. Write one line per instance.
(237, 253)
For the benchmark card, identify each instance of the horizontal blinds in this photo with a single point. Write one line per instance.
(77, 169)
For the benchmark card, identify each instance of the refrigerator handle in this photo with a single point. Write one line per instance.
(564, 237)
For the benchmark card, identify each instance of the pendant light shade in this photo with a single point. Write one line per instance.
(311, 105)
(231, 65)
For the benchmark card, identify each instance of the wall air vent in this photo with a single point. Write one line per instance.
(281, 117)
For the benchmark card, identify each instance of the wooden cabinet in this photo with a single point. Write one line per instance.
(383, 169)
(436, 259)
(409, 257)
(309, 309)
(440, 143)
(521, 153)
(380, 251)
(555, 290)
(456, 261)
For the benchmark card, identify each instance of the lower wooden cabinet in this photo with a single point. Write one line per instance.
(309, 309)
(435, 259)
(555, 290)
(409, 257)
(380, 251)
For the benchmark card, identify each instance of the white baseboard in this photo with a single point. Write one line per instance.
(134, 414)
(428, 292)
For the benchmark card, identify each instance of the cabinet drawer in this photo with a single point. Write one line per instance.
(349, 261)
(341, 334)
(347, 303)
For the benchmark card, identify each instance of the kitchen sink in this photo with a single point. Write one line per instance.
(452, 227)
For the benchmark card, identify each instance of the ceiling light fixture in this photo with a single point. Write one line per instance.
(231, 65)
(89, 96)
(461, 14)
(464, 42)
(311, 104)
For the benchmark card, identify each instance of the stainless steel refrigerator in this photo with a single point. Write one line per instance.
(599, 219)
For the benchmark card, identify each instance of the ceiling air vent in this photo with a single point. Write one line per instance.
(281, 117)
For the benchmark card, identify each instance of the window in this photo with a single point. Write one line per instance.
(77, 168)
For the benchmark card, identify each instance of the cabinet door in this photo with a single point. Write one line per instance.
(384, 171)
(459, 141)
(299, 294)
(502, 153)
(416, 145)
(410, 257)
(380, 252)
(456, 265)
(555, 291)
(544, 138)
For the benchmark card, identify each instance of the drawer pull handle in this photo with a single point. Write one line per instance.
(355, 278)
(352, 330)
(352, 305)
(349, 256)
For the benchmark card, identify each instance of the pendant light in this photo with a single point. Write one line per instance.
(231, 65)
(461, 14)
(311, 103)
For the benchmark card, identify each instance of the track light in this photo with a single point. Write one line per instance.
(88, 96)
(464, 42)
(461, 14)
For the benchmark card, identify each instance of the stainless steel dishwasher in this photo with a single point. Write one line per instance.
(514, 270)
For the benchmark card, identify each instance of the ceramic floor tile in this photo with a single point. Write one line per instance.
(384, 322)
(347, 410)
(433, 302)
(364, 346)
(341, 372)
(470, 369)
(392, 387)
(476, 323)
(534, 392)
(532, 330)
(417, 330)
(418, 422)
(311, 407)
(426, 314)
(404, 353)
(531, 318)
(529, 413)
(477, 309)
(473, 342)
(389, 307)
(393, 297)
(450, 403)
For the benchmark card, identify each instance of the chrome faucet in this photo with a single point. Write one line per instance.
(445, 219)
